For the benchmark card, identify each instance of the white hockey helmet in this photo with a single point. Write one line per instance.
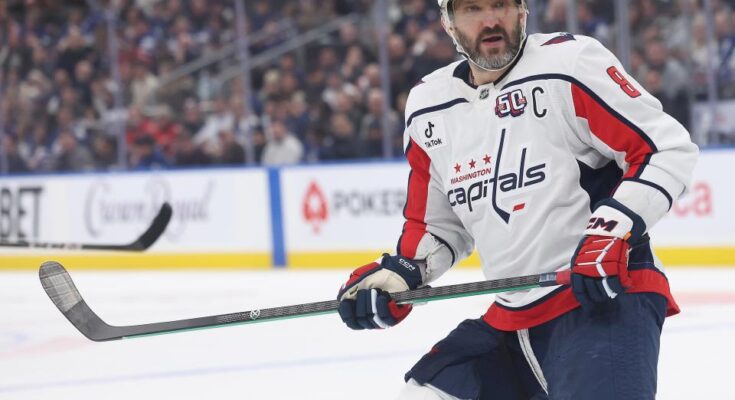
(448, 20)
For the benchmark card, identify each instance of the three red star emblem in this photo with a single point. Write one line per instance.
(472, 163)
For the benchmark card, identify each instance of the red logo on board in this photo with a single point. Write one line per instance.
(314, 207)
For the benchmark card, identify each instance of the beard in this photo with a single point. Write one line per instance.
(493, 59)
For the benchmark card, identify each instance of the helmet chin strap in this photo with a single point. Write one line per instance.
(464, 54)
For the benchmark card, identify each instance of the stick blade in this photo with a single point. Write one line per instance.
(160, 222)
(60, 288)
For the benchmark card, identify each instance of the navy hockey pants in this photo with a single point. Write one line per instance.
(610, 353)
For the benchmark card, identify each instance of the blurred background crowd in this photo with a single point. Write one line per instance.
(141, 84)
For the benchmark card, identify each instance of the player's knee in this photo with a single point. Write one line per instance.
(415, 391)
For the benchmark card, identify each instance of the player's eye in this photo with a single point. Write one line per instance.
(499, 4)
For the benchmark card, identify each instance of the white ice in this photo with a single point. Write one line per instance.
(43, 357)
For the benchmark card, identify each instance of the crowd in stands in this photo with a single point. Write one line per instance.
(64, 102)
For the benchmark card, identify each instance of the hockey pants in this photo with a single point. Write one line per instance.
(610, 353)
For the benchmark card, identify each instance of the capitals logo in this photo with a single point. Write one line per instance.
(526, 175)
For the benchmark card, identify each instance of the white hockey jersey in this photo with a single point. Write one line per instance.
(515, 167)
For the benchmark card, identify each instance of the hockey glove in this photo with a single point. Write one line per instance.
(365, 301)
(600, 263)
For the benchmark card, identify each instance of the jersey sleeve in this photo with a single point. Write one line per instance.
(427, 211)
(620, 120)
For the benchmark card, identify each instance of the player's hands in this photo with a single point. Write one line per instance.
(365, 301)
(599, 269)
(600, 263)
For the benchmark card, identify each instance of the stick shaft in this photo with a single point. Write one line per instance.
(154, 231)
(61, 290)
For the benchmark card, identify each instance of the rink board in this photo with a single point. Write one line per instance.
(320, 216)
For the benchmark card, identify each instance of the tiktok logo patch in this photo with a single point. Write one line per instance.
(512, 103)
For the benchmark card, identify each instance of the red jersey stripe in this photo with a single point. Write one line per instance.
(611, 130)
(506, 319)
(418, 193)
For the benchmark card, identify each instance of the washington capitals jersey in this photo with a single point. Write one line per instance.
(514, 168)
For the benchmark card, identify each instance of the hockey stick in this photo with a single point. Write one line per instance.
(60, 288)
(142, 243)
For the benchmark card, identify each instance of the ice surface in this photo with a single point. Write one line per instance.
(42, 356)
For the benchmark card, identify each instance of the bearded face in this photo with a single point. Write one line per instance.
(484, 48)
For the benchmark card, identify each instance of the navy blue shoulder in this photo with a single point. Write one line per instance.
(438, 107)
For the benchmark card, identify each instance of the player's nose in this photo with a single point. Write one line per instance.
(490, 22)
(490, 18)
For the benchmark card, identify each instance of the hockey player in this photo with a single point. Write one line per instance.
(544, 155)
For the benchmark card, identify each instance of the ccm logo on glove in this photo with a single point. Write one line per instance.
(600, 263)
(601, 223)
(365, 301)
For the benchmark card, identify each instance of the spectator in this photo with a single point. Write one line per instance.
(677, 106)
(138, 125)
(371, 128)
(173, 93)
(231, 152)
(70, 156)
(349, 37)
(672, 72)
(36, 148)
(282, 147)
(83, 82)
(345, 102)
(262, 15)
(145, 155)
(271, 90)
(700, 56)
(299, 118)
(222, 119)
(56, 76)
(370, 78)
(258, 139)
(17, 55)
(288, 66)
(104, 152)
(186, 153)
(400, 65)
(143, 84)
(15, 163)
(328, 60)
(555, 19)
(102, 98)
(354, 63)
(593, 25)
(313, 147)
(193, 121)
(74, 49)
(440, 52)
(725, 34)
(342, 143)
(245, 122)
(164, 128)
